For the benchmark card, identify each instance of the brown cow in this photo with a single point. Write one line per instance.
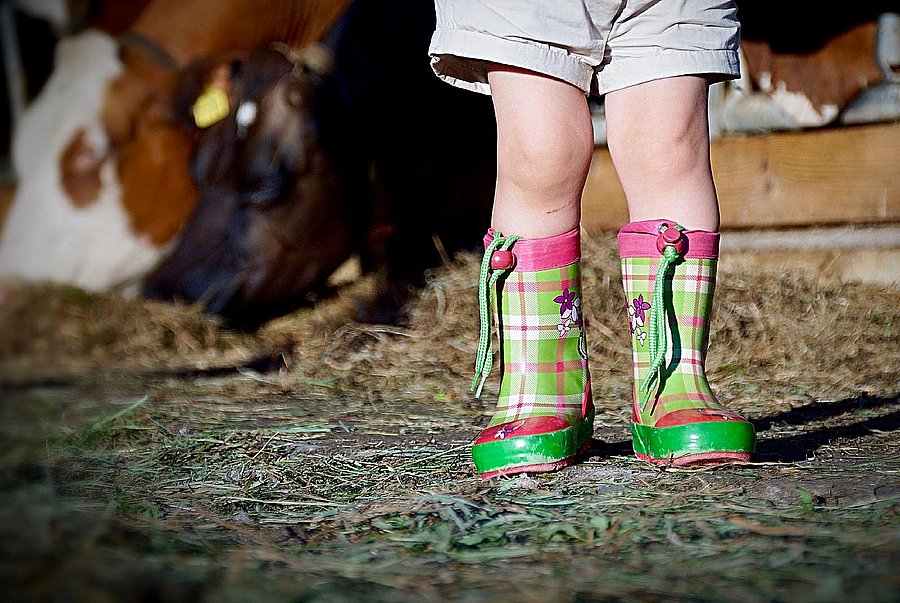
(276, 214)
(136, 111)
(352, 165)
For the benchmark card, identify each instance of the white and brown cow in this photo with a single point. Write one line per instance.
(66, 222)
(103, 182)
(804, 67)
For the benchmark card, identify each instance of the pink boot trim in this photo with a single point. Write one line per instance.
(692, 416)
(545, 253)
(521, 427)
(639, 240)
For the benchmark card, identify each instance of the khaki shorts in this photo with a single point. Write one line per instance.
(596, 45)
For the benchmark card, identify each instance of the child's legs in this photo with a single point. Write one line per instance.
(545, 141)
(658, 137)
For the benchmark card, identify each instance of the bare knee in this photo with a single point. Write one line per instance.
(544, 132)
(659, 130)
(667, 156)
(551, 161)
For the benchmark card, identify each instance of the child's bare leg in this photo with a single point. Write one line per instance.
(658, 136)
(545, 141)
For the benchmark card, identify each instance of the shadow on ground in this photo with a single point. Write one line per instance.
(800, 446)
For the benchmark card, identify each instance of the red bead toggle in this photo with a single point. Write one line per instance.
(503, 260)
(671, 237)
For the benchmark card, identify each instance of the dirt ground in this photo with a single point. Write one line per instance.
(148, 453)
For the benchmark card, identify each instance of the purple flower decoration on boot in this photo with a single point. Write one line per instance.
(569, 305)
(565, 301)
(639, 307)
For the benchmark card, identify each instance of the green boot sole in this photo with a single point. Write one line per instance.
(694, 443)
(536, 453)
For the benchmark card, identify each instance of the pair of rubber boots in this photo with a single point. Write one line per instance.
(544, 415)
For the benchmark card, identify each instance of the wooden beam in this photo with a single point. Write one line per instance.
(840, 175)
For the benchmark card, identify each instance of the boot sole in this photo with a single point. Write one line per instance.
(694, 443)
(539, 453)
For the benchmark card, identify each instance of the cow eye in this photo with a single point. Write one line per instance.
(298, 92)
(268, 190)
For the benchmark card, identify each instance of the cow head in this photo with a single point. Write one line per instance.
(273, 220)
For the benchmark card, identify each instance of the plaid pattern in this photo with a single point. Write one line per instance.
(543, 367)
(683, 377)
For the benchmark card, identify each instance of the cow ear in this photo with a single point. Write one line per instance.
(316, 59)
(204, 94)
(311, 66)
(213, 75)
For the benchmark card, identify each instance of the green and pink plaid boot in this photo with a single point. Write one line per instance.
(544, 416)
(676, 419)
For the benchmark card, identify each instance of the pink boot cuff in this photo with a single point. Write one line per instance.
(544, 253)
(640, 240)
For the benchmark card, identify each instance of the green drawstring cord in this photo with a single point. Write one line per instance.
(486, 283)
(656, 330)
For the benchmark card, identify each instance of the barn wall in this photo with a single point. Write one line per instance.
(846, 175)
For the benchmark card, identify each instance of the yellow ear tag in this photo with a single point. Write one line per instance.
(210, 107)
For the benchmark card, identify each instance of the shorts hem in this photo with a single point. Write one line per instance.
(720, 64)
(462, 58)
